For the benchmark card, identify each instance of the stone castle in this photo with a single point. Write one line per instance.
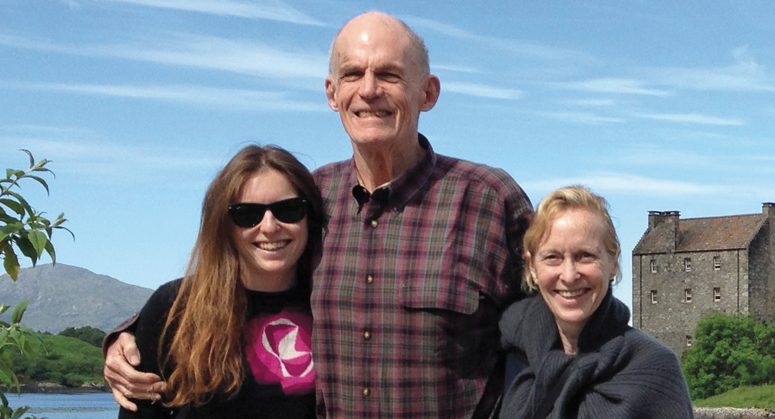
(686, 269)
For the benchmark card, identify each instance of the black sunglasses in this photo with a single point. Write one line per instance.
(248, 215)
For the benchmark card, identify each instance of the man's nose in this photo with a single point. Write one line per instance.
(369, 85)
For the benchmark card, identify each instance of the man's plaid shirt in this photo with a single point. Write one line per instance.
(413, 279)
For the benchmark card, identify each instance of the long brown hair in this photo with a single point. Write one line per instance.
(204, 328)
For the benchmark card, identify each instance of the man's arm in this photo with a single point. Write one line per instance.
(121, 360)
(120, 372)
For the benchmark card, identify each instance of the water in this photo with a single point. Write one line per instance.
(66, 406)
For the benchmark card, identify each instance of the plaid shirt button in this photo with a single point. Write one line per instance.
(369, 279)
(367, 335)
(374, 223)
(366, 391)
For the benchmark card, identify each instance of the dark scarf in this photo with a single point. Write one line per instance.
(611, 378)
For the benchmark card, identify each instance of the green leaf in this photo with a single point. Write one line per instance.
(10, 263)
(29, 153)
(7, 376)
(12, 226)
(21, 201)
(38, 241)
(41, 181)
(4, 308)
(24, 244)
(18, 312)
(13, 206)
(20, 411)
(40, 167)
(51, 253)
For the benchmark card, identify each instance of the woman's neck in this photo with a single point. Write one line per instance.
(266, 283)
(569, 335)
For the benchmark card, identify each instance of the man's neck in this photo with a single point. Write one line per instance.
(377, 167)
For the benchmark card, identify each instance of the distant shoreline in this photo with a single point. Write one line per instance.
(44, 387)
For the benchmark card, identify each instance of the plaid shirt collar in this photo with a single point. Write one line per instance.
(400, 190)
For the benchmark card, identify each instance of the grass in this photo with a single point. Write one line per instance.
(68, 361)
(760, 397)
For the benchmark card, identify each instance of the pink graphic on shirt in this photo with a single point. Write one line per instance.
(279, 350)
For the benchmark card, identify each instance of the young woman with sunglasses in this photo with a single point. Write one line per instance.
(232, 337)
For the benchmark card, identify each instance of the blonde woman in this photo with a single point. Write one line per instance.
(582, 359)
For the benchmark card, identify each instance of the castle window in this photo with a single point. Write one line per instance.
(653, 296)
(688, 295)
(688, 264)
(653, 266)
(716, 294)
(689, 341)
(716, 263)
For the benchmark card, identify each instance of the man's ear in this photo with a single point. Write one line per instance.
(331, 93)
(431, 91)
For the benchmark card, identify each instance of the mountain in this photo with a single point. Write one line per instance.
(62, 296)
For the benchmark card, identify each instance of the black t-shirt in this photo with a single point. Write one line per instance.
(279, 371)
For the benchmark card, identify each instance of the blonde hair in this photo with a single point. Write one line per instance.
(204, 328)
(555, 204)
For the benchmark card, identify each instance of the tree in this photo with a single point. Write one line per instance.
(729, 352)
(88, 334)
(28, 231)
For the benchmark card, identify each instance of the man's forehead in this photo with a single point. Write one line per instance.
(369, 49)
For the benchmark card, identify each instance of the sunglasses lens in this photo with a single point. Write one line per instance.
(246, 215)
(287, 211)
(290, 210)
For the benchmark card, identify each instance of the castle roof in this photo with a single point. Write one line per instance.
(701, 234)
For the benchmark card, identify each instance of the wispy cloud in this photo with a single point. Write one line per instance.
(234, 55)
(522, 48)
(622, 182)
(663, 157)
(590, 102)
(612, 85)
(692, 118)
(481, 90)
(71, 4)
(580, 117)
(456, 69)
(608, 183)
(103, 161)
(443, 28)
(745, 74)
(191, 95)
(278, 12)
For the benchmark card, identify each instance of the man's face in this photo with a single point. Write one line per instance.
(377, 86)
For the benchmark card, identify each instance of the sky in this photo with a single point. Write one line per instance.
(656, 105)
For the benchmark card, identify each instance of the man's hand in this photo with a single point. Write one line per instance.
(121, 359)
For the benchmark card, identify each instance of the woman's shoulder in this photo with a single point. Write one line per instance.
(517, 312)
(526, 323)
(644, 352)
(161, 300)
